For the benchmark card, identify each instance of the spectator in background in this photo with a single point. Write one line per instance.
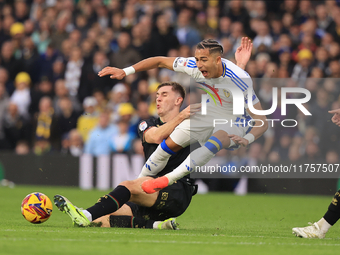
(21, 11)
(186, 34)
(4, 79)
(44, 89)
(30, 59)
(41, 36)
(140, 41)
(320, 108)
(58, 70)
(103, 43)
(15, 127)
(323, 19)
(46, 128)
(21, 96)
(4, 101)
(73, 144)
(60, 34)
(76, 143)
(17, 34)
(303, 68)
(118, 95)
(122, 142)
(100, 137)
(126, 55)
(73, 72)
(47, 61)
(67, 120)
(101, 100)
(163, 38)
(60, 91)
(90, 80)
(87, 48)
(126, 113)
(89, 119)
(8, 60)
(237, 32)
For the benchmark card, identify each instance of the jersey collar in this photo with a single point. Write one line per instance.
(224, 72)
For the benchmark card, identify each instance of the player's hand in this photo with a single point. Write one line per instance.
(239, 140)
(243, 53)
(190, 110)
(336, 116)
(193, 108)
(115, 73)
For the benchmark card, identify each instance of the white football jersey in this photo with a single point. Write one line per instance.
(232, 76)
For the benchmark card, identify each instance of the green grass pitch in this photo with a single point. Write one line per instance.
(217, 223)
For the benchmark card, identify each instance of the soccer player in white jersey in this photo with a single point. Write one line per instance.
(209, 69)
(320, 228)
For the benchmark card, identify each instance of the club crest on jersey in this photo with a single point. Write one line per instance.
(226, 93)
(142, 126)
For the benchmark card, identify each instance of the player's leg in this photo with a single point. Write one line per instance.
(130, 215)
(127, 221)
(107, 204)
(170, 202)
(320, 228)
(179, 139)
(198, 157)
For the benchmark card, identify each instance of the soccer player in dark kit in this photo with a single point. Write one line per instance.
(128, 205)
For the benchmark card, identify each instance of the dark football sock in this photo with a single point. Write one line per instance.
(110, 203)
(333, 213)
(130, 222)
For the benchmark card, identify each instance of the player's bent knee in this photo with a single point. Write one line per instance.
(132, 186)
(127, 184)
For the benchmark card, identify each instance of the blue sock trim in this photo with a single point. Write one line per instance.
(211, 147)
(166, 148)
(216, 140)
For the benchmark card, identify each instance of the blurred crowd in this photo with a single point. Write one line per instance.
(52, 100)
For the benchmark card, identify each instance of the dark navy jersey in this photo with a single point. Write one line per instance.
(175, 160)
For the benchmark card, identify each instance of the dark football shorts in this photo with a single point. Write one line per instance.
(171, 202)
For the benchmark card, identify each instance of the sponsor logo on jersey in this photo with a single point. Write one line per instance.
(142, 126)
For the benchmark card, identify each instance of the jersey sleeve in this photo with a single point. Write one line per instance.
(245, 82)
(250, 96)
(144, 126)
(187, 66)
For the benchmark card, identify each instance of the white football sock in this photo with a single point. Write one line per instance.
(198, 157)
(156, 162)
(324, 225)
(155, 224)
(88, 215)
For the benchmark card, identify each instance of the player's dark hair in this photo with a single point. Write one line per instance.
(212, 45)
(175, 87)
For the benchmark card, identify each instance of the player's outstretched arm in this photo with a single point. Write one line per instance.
(243, 52)
(158, 134)
(146, 64)
(260, 126)
(336, 116)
